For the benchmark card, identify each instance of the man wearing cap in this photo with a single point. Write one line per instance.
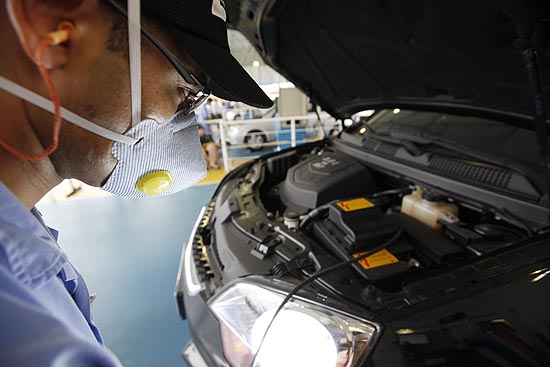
(102, 91)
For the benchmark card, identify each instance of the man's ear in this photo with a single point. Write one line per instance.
(34, 19)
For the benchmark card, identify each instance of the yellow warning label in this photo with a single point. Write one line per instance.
(380, 258)
(355, 204)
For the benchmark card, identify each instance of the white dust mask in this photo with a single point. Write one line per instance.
(166, 159)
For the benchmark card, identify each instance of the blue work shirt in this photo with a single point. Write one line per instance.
(45, 315)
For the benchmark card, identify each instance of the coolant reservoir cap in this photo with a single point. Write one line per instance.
(488, 230)
(292, 215)
(432, 196)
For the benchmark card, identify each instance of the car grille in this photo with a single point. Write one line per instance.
(200, 251)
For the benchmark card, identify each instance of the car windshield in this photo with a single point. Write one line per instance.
(513, 143)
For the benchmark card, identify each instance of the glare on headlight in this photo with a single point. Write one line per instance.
(303, 334)
(294, 339)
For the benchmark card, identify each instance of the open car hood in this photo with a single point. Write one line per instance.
(456, 55)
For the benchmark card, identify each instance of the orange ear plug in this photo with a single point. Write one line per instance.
(62, 34)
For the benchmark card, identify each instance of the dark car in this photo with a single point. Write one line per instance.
(417, 238)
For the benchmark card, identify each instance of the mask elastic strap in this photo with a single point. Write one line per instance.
(134, 40)
(45, 104)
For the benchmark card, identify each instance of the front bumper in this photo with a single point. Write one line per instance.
(205, 332)
(192, 356)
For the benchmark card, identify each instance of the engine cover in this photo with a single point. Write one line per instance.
(323, 178)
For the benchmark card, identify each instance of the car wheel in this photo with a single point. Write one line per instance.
(255, 140)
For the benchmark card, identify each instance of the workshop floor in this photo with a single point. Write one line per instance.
(128, 251)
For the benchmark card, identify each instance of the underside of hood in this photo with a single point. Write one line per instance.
(351, 55)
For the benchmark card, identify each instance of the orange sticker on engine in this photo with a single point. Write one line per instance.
(355, 204)
(380, 258)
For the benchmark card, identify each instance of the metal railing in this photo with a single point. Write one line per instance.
(299, 130)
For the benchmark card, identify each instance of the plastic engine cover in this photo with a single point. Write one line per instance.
(323, 178)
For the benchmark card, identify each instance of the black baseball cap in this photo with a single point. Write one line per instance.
(199, 28)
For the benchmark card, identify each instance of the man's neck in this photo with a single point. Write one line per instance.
(28, 181)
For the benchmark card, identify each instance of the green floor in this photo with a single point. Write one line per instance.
(128, 251)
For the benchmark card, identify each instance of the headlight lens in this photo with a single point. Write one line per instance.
(304, 333)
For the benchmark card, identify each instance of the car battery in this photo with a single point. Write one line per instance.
(355, 226)
(361, 223)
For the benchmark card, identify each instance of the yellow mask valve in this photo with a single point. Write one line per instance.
(154, 183)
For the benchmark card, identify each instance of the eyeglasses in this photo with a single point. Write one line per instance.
(197, 92)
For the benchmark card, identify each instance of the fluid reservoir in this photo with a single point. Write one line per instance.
(429, 208)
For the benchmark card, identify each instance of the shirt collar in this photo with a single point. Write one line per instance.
(27, 247)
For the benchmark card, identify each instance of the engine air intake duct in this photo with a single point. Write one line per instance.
(323, 178)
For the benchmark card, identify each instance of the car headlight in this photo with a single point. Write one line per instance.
(230, 115)
(233, 131)
(304, 333)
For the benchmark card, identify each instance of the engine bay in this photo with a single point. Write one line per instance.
(293, 214)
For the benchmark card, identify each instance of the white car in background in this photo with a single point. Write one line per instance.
(255, 135)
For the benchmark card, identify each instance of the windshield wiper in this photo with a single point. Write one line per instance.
(409, 145)
(418, 145)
